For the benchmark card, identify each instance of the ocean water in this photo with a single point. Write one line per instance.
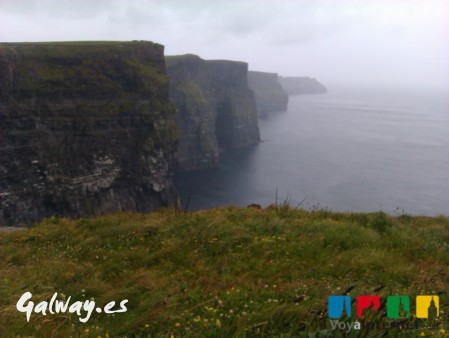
(352, 149)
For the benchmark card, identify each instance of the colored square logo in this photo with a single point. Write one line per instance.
(398, 307)
(366, 304)
(427, 306)
(338, 305)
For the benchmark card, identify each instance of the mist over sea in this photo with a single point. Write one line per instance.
(352, 149)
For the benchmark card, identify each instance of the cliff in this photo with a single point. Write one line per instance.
(269, 94)
(86, 128)
(301, 85)
(216, 109)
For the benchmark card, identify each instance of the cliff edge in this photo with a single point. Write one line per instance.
(269, 94)
(86, 128)
(216, 109)
(301, 85)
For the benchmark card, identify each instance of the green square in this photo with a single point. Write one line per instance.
(398, 307)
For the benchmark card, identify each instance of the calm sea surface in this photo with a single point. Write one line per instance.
(348, 150)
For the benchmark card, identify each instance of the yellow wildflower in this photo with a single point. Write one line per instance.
(178, 324)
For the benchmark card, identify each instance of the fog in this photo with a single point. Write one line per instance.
(350, 42)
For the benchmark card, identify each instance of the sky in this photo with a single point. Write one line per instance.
(339, 42)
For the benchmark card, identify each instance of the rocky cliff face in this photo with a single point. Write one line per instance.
(216, 109)
(85, 128)
(301, 85)
(269, 94)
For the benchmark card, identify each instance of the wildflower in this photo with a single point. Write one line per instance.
(218, 322)
(147, 326)
(422, 334)
(178, 324)
(442, 331)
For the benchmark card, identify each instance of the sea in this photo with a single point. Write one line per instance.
(351, 150)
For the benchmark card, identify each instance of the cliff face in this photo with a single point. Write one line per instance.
(86, 128)
(301, 85)
(216, 109)
(269, 94)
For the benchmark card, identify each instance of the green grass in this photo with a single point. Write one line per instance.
(43, 66)
(228, 272)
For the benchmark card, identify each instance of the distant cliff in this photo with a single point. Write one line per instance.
(85, 128)
(301, 85)
(216, 109)
(269, 94)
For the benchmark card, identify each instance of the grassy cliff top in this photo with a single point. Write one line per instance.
(173, 59)
(219, 273)
(77, 43)
(87, 69)
(71, 48)
(182, 57)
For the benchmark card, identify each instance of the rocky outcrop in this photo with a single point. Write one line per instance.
(216, 109)
(301, 85)
(85, 128)
(269, 94)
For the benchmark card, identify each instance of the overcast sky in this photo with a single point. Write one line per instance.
(378, 42)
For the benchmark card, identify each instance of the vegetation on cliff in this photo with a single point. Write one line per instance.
(220, 273)
(71, 69)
